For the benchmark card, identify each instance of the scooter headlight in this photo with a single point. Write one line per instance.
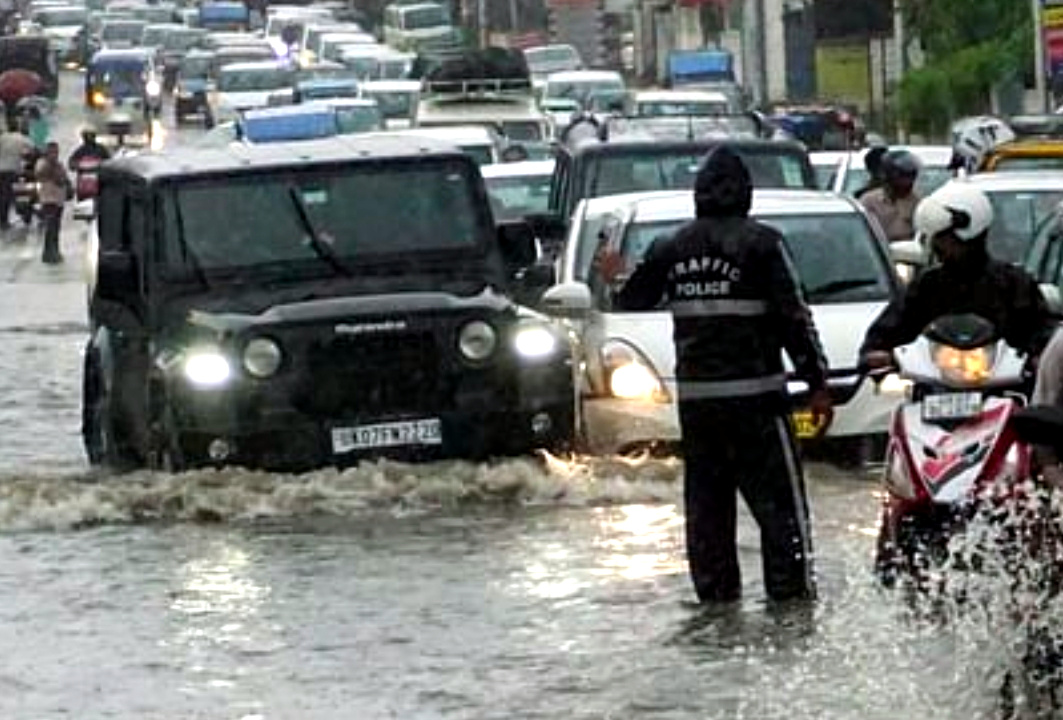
(970, 367)
(153, 88)
(207, 368)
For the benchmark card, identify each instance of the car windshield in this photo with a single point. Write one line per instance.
(230, 80)
(195, 67)
(359, 214)
(1016, 218)
(1017, 162)
(522, 130)
(393, 68)
(422, 18)
(835, 254)
(360, 118)
(673, 108)
(551, 57)
(582, 90)
(118, 80)
(154, 36)
(182, 40)
(514, 197)
(63, 18)
(618, 173)
(825, 175)
(930, 178)
(482, 154)
(393, 104)
(122, 32)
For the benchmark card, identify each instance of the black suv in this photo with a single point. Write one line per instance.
(290, 308)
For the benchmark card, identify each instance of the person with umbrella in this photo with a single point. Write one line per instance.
(17, 84)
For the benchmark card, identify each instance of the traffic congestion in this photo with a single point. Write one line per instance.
(354, 367)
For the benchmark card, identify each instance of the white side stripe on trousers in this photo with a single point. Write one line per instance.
(795, 487)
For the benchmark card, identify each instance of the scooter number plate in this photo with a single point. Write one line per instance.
(952, 406)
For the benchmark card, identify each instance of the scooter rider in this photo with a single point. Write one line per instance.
(957, 218)
(736, 305)
(89, 148)
(893, 203)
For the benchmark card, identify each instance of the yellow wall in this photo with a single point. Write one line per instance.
(842, 73)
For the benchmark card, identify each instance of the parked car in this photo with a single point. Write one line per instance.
(333, 316)
(630, 386)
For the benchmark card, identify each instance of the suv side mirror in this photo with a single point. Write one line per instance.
(519, 249)
(567, 300)
(1053, 298)
(116, 276)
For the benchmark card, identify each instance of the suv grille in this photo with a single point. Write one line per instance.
(372, 374)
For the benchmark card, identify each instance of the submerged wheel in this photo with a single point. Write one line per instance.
(105, 444)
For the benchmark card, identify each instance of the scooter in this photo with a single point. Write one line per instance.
(952, 447)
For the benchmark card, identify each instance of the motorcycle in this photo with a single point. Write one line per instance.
(952, 449)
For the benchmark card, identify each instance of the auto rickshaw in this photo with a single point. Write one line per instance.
(1037, 144)
(123, 95)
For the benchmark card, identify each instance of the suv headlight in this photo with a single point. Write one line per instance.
(477, 340)
(534, 341)
(262, 357)
(628, 375)
(207, 368)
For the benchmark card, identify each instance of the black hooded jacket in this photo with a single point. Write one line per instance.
(1002, 293)
(735, 300)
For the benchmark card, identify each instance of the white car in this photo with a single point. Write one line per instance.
(518, 189)
(680, 103)
(630, 383)
(246, 86)
(934, 172)
(1022, 200)
(61, 25)
(827, 164)
(397, 100)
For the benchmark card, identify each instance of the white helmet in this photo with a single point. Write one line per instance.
(955, 206)
(974, 137)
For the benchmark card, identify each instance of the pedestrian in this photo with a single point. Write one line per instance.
(37, 127)
(14, 147)
(55, 189)
(893, 205)
(736, 305)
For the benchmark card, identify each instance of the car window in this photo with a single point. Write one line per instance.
(1016, 218)
(514, 197)
(230, 80)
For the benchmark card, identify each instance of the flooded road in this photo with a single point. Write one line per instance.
(521, 589)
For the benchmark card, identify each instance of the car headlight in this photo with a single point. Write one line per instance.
(629, 376)
(477, 340)
(534, 342)
(262, 357)
(964, 366)
(207, 368)
(153, 88)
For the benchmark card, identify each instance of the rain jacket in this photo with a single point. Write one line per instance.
(733, 294)
(1000, 292)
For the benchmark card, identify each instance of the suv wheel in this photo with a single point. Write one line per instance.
(105, 443)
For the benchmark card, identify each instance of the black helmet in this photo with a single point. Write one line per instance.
(900, 164)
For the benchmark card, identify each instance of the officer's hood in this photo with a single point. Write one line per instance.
(723, 187)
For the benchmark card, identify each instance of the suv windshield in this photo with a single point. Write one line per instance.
(393, 104)
(62, 18)
(230, 80)
(422, 18)
(354, 215)
(835, 254)
(616, 173)
(551, 57)
(122, 31)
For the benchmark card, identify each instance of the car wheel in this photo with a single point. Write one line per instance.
(105, 444)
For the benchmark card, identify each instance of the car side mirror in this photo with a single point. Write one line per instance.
(116, 276)
(519, 248)
(567, 300)
(1053, 298)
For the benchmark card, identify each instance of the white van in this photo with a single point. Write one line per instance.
(419, 26)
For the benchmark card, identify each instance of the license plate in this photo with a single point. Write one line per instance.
(805, 426)
(952, 406)
(384, 435)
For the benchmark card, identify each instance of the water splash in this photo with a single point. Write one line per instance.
(35, 502)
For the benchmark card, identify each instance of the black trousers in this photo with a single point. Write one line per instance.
(7, 198)
(51, 216)
(747, 447)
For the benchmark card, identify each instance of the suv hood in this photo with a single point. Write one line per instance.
(380, 308)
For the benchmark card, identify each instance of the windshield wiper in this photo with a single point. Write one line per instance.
(838, 286)
(186, 249)
(321, 248)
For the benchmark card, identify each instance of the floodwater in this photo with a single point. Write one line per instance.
(523, 589)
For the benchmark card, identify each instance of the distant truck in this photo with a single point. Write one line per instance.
(224, 16)
(707, 69)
